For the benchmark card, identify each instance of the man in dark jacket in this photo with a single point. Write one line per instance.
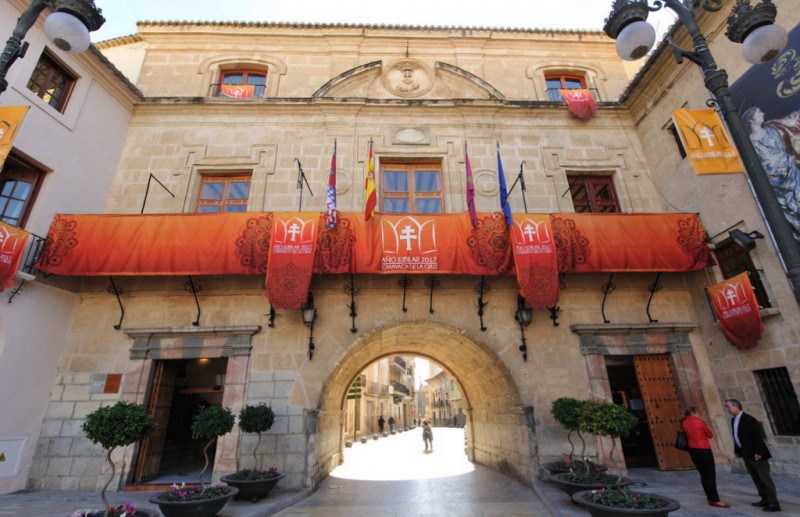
(748, 438)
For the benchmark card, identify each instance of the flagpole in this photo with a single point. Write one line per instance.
(301, 178)
(521, 180)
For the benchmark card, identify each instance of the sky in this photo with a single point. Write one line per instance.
(122, 15)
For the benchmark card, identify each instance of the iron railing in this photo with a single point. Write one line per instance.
(400, 388)
(259, 91)
(554, 95)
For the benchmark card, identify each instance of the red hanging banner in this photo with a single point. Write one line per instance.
(737, 311)
(12, 246)
(536, 259)
(580, 102)
(291, 258)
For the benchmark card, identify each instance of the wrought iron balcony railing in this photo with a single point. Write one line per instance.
(554, 95)
(238, 91)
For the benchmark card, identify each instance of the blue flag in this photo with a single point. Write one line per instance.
(501, 178)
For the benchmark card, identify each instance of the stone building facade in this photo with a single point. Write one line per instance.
(419, 96)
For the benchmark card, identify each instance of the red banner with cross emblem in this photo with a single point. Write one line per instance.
(12, 245)
(737, 311)
(537, 261)
(291, 258)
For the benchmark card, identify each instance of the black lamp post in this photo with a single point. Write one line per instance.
(68, 28)
(753, 26)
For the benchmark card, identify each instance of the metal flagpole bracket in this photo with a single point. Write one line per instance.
(302, 184)
(653, 289)
(607, 288)
(194, 288)
(432, 282)
(113, 288)
(405, 282)
(352, 289)
(482, 287)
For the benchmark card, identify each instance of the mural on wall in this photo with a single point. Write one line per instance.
(768, 97)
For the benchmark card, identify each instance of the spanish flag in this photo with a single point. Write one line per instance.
(370, 197)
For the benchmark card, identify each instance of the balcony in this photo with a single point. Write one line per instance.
(31, 254)
(399, 363)
(400, 388)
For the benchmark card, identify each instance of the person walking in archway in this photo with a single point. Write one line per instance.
(391, 424)
(381, 423)
(427, 434)
(697, 434)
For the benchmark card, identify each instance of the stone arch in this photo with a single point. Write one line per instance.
(499, 427)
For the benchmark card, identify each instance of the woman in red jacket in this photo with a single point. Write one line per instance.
(698, 433)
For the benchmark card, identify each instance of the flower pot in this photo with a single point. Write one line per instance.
(571, 487)
(252, 489)
(196, 508)
(558, 467)
(599, 510)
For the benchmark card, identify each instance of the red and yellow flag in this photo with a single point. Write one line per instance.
(707, 143)
(370, 196)
(11, 118)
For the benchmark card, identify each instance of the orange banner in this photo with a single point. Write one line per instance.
(630, 242)
(706, 141)
(737, 311)
(536, 259)
(12, 246)
(11, 118)
(239, 243)
(291, 258)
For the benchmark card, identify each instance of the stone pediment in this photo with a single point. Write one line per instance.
(408, 78)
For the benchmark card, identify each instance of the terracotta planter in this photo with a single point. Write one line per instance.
(571, 487)
(199, 508)
(598, 510)
(252, 490)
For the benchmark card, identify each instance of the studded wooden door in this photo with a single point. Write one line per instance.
(663, 407)
(149, 460)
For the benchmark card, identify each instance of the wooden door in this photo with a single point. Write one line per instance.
(663, 407)
(149, 461)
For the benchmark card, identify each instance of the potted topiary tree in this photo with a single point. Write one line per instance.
(606, 419)
(119, 425)
(600, 419)
(567, 412)
(255, 483)
(205, 500)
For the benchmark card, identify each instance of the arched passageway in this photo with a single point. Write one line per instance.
(499, 436)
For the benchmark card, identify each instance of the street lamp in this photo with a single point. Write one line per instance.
(762, 40)
(67, 28)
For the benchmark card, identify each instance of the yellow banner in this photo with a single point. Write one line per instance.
(10, 121)
(707, 143)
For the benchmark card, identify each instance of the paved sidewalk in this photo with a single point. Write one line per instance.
(393, 477)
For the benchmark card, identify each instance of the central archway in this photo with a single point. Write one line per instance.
(499, 436)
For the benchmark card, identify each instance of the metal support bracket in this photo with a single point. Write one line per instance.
(554, 314)
(113, 288)
(272, 314)
(607, 288)
(653, 289)
(352, 289)
(404, 282)
(17, 290)
(432, 282)
(481, 288)
(190, 285)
